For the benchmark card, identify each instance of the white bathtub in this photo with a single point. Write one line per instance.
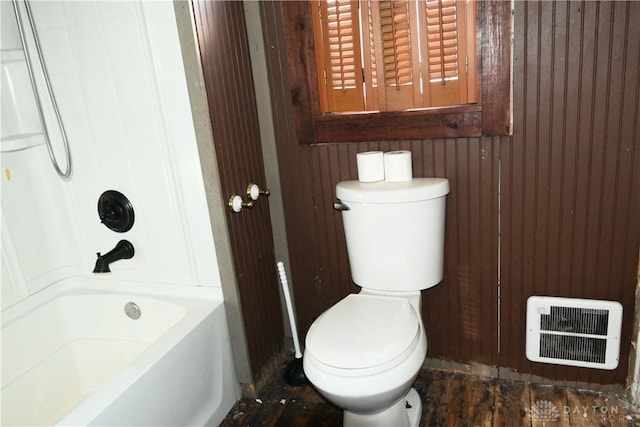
(71, 356)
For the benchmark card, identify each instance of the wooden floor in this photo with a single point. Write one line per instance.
(448, 400)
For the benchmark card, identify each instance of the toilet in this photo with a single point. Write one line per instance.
(365, 352)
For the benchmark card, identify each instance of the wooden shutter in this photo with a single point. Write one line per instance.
(414, 53)
(395, 35)
(340, 60)
(448, 52)
(369, 59)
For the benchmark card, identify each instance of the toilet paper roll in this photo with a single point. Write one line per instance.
(397, 166)
(370, 166)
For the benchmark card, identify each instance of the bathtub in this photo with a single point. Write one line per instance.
(71, 356)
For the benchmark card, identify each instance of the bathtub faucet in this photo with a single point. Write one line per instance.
(123, 250)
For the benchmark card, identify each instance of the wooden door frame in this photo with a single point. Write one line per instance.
(268, 141)
(215, 199)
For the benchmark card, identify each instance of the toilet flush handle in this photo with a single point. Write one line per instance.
(340, 206)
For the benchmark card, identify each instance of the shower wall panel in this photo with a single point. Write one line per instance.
(116, 70)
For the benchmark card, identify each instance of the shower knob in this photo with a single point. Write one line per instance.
(236, 203)
(254, 192)
(115, 211)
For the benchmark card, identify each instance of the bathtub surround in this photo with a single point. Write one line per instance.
(117, 71)
(27, 27)
(39, 243)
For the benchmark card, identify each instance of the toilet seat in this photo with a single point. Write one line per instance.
(364, 331)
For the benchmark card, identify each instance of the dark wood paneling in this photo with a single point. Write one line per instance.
(227, 72)
(561, 196)
(461, 312)
(570, 187)
(319, 263)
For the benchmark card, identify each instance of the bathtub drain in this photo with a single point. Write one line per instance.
(132, 310)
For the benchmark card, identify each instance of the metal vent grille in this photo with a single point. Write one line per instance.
(575, 332)
(573, 348)
(576, 320)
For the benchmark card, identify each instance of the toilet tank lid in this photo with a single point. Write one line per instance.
(414, 190)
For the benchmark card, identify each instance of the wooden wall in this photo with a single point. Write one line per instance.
(571, 172)
(561, 197)
(226, 64)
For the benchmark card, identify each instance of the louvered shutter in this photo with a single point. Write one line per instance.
(369, 58)
(448, 47)
(340, 65)
(414, 54)
(395, 35)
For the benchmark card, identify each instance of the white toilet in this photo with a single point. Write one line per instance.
(364, 353)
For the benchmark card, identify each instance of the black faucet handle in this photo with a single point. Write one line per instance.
(115, 211)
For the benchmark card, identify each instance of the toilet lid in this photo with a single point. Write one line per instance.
(362, 331)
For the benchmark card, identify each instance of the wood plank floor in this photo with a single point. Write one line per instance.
(448, 399)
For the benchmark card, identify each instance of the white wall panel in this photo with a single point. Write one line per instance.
(117, 72)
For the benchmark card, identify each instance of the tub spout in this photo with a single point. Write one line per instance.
(123, 250)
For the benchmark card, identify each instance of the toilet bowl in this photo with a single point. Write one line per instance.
(364, 353)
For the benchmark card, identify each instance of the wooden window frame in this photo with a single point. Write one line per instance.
(489, 117)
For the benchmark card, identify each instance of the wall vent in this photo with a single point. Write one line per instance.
(574, 332)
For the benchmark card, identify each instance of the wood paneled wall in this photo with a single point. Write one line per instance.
(552, 210)
(226, 64)
(570, 182)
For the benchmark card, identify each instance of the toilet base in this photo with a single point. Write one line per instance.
(415, 411)
(404, 413)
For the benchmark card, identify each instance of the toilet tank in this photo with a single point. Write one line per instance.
(395, 232)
